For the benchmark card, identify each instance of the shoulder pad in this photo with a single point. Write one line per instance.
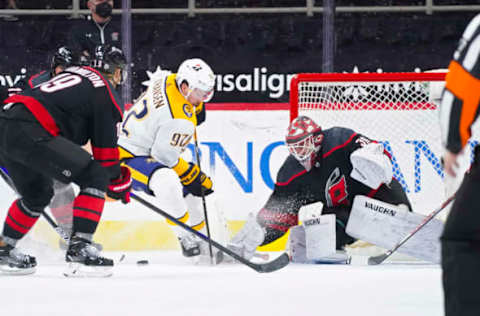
(290, 169)
(335, 137)
(157, 75)
(39, 78)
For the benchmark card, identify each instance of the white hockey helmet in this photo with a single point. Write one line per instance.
(199, 77)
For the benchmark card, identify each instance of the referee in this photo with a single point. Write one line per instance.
(461, 236)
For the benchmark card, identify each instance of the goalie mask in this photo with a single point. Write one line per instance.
(304, 138)
(199, 77)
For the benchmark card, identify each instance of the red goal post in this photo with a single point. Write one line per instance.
(398, 109)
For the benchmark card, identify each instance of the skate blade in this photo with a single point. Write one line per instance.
(205, 260)
(78, 270)
(16, 271)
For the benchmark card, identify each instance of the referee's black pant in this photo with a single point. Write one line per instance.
(461, 248)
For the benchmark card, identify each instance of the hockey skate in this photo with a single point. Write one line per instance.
(62, 244)
(190, 245)
(84, 260)
(14, 262)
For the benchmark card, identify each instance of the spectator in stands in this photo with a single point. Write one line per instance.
(9, 4)
(98, 28)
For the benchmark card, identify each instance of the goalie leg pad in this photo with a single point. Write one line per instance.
(296, 243)
(298, 250)
(320, 236)
(384, 225)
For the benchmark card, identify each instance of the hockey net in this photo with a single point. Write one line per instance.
(399, 110)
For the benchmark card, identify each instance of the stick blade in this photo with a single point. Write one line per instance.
(274, 265)
(375, 260)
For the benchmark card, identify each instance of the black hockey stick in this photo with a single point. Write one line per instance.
(65, 236)
(47, 217)
(271, 266)
(374, 260)
(8, 180)
(203, 200)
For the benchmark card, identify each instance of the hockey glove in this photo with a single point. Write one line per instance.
(246, 241)
(193, 179)
(119, 189)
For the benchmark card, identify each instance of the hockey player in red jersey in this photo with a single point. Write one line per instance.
(54, 120)
(62, 58)
(331, 166)
(61, 204)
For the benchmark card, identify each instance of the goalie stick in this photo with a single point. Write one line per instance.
(374, 260)
(271, 266)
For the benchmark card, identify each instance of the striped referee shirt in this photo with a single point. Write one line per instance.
(461, 97)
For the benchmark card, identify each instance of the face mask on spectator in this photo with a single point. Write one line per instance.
(104, 9)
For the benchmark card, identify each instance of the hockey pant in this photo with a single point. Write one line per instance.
(33, 163)
(157, 180)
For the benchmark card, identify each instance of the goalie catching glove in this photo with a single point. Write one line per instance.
(246, 241)
(193, 178)
(119, 189)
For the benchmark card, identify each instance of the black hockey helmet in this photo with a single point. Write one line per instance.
(107, 58)
(65, 57)
(62, 57)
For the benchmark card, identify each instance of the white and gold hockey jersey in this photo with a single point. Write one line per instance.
(154, 133)
(160, 124)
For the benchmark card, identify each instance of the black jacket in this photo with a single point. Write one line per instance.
(89, 34)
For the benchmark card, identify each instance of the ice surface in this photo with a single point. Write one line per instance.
(171, 285)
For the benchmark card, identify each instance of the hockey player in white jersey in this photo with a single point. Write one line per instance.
(154, 134)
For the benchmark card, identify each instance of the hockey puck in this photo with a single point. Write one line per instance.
(142, 262)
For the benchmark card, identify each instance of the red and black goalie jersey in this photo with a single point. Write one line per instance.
(328, 182)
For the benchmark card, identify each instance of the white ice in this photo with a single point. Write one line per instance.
(170, 285)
